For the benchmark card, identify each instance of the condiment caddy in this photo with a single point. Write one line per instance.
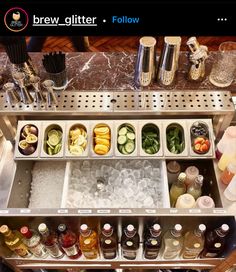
(159, 139)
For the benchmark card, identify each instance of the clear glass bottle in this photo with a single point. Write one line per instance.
(194, 242)
(195, 189)
(130, 242)
(33, 241)
(68, 241)
(13, 240)
(215, 242)
(152, 242)
(88, 241)
(191, 173)
(173, 242)
(108, 242)
(177, 188)
(50, 241)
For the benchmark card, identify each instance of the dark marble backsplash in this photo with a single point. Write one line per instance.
(112, 71)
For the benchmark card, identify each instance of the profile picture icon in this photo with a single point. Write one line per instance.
(16, 19)
(16, 16)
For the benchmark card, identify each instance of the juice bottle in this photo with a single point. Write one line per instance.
(177, 188)
(88, 241)
(228, 173)
(173, 171)
(185, 201)
(191, 173)
(205, 202)
(195, 189)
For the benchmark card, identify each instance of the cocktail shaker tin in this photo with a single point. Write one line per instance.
(168, 64)
(145, 70)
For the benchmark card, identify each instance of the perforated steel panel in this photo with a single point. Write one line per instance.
(164, 102)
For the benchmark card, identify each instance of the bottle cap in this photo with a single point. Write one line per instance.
(192, 170)
(156, 227)
(182, 176)
(26, 232)
(178, 227)
(107, 227)
(4, 229)
(225, 227)
(202, 227)
(130, 228)
(232, 167)
(173, 167)
(199, 179)
(62, 228)
(42, 228)
(84, 227)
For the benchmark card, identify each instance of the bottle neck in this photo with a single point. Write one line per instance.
(107, 233)
(155, 233)
(221, 233)
(175, 233)
(198, 232)
(130, 234)
(86, 233)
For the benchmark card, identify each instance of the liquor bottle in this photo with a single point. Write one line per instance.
(33, 241)
(172, 242)
(215, 242)
(50, 241)
(177, 188)
(88, 241)
(195, 189)
(152, 242)
(68, 241)
(194, 242)
(13, 240)
(108, 242)
(130, 242)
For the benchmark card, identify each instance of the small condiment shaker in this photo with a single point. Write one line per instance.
(145, 69)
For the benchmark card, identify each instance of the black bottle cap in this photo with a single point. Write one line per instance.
(62, 228)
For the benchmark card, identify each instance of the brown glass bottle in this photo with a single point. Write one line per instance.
(108, 242)
(130, 242)
(215, 242)
(68, 241)
(152, 242)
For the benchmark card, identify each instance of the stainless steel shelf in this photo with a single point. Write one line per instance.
(202, 102)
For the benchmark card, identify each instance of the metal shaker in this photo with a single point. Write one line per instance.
(145, 69)
(197, 59)
(168, 64)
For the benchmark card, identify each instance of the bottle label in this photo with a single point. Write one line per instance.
(38, 250)
(211, 255)
(71, 251)
(129, 243)
(108, 241)
(90, 254)
(54, 251)
(130, 254)
(152, 253)
(22, 251)
(175, 243)
(217, 245)
(192, 253)
(196, 245)
(154, 242)
(109, 254)
(87, 241)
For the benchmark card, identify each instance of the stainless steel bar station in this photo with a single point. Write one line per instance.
(116, 160)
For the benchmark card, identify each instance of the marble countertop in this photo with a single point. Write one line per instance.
(113, 71)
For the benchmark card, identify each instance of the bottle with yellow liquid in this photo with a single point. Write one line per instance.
(88, 241)
(177, 189)
(13, 240)
(227, 157)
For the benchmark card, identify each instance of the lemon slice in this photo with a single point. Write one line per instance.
(81, 140)
(76, 150)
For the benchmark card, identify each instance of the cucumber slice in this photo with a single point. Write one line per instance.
(130, 136)
(53, 132)
(123, 131)
(129, 147)
(130, 129)
(48, 143)
(50, 151)
(120, 148)
(123, 151)
(122, 139)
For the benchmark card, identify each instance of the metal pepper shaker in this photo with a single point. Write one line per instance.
(198, 55)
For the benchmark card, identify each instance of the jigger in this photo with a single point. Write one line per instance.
(51, 97)
(12, 96)
(26, 97)
(39, 97)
